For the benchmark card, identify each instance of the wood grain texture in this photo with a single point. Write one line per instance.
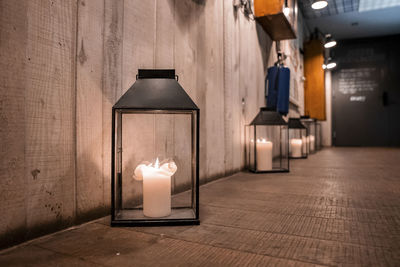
(314, 91)
(138, 39)
(189, 60)
(232, 104)
(13, 184)
(213, 129)
(253, 66)
(112, 81)
(165, 34)
(50, 113)
(89, 106)
(335, 209)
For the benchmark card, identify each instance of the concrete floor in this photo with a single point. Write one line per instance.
(341, 206)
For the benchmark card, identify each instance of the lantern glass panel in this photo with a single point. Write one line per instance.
(298, 143)
(250, 147)
(311, 133)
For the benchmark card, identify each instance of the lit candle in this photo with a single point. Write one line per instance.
(156, 187)
(264, 155)
(312, 142)
(295, 147)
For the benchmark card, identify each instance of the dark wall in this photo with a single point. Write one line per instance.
(366, 92)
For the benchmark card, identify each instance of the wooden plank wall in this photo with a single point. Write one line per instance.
(89, 110)
(12, 120)
(65, 63)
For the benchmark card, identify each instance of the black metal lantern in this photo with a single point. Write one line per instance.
(297, 139)
(267, 148)
(155, 153)
(310, 124)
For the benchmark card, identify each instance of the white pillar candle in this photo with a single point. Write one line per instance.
(156, 188)
(264, 155)
(295, 147)
(312, 142)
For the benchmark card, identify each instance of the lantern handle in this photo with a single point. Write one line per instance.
(176, 77)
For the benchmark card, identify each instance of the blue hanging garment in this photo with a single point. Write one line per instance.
(283, 90)
(271, 92)
(277, 85)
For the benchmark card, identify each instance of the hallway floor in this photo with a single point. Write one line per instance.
(340, 206)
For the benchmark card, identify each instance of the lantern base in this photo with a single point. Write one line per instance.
(270, 171)
(135, 217)
(157, 222)
(303, 157)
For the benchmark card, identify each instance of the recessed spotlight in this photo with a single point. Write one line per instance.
(329, 42)
(331, 65)
(319, 4)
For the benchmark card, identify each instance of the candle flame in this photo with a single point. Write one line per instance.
(157, 164)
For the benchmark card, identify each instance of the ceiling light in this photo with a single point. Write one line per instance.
(329, 42)
(319, 4)
(331, 65)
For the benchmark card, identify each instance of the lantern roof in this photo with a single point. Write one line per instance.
(268, 116)
(156, 89)
(307, 118)
(295, 123)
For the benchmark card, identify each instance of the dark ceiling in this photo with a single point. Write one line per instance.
(334, 7)
(347, 19)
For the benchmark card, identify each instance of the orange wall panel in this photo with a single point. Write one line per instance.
(267, 7)
(314, 90)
